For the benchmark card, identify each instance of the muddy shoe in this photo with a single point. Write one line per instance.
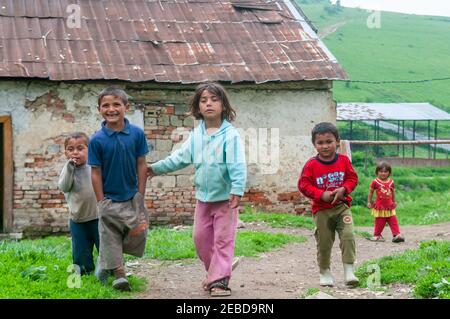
(398, 239)
(326, 279)
(121, 283)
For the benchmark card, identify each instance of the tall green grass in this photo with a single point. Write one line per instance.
(39, 269)
(426, 268)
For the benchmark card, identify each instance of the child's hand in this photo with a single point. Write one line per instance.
(150, 172)
(326, 197)
(339, 195)
(138, 230)
(234, 201)
(369, 205)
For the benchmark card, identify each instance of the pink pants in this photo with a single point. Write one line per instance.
(380, 222)
(215, 226)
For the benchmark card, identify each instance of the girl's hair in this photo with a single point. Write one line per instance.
(76, 135)
(383, 165)
(218, 90)
(114, 91)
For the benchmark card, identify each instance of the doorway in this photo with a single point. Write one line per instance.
(6, 174)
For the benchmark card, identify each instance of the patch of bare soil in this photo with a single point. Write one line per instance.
(284, 273)
(331, 29)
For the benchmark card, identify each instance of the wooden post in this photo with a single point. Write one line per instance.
(344, 149)
(7, 145)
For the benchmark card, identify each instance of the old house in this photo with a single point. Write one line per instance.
(57, 55)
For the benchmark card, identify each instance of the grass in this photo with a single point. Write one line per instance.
(38, 268)
(309, 292)
(277, 220)
(252, 243)
(390, 52)
(427, 268)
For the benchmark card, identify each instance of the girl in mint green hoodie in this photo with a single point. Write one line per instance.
(215, 149)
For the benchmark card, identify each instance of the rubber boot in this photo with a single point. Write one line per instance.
(349, 276)
(326, 279)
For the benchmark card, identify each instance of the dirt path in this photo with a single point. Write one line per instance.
(331, 29)
(284, 273)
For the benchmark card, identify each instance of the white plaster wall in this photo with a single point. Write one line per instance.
(294, 114)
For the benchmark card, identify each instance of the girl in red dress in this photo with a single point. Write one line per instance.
(384, 207)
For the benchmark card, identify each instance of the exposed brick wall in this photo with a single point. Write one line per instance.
(39, 207)
(170, 198)
(292, 202)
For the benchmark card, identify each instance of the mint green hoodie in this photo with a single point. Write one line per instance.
(219, 162)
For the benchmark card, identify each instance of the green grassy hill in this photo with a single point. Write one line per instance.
(405, 47)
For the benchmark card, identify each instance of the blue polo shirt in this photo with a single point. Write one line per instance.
(116, 153)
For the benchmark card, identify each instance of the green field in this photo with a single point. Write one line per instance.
(405, 47)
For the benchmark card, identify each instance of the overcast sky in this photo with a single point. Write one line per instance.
(421, 7)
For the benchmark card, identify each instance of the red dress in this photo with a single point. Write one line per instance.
(384, 205)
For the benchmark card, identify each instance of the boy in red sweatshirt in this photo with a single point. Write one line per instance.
(328, 179)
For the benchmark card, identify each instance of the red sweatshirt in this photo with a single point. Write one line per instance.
(318, 176)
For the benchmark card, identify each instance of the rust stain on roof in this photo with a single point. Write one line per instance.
(174, 41)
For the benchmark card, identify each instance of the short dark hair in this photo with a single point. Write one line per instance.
(215, 88)
(323, 128)
(76, 135)
(383, 165)
(114, 91)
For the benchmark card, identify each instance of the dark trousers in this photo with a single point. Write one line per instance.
(84, 237)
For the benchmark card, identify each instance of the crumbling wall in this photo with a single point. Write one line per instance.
(274, 121)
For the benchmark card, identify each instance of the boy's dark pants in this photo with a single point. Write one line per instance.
(84, 237)
(328, 222)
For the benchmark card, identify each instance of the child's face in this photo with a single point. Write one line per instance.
(383, 174)
(326, 145)
(113, 110)
(77, 151)
(210, 106)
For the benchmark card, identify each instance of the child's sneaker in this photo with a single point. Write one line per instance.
(398, 239)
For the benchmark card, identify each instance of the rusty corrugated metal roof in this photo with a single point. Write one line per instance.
(175, 41)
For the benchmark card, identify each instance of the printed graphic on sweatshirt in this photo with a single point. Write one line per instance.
(330, 180)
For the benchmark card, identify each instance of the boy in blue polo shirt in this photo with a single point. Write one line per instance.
(119, 173)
